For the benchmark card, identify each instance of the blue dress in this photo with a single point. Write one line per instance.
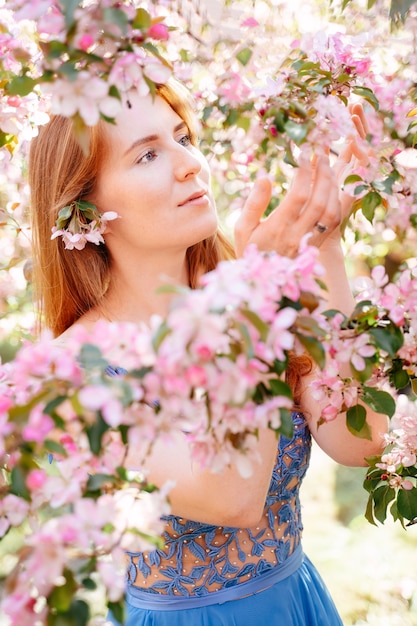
(214, 575)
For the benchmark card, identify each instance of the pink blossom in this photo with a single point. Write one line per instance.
(234, 88)
(282, 339)
(14, 508)
(87, 95)
(250, 22)
(156, 71)
(35, 479)
(159, 31)
(39, 425)
(85, 41)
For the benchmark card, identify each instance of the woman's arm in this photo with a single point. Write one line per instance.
(334, 437)
(315, 197)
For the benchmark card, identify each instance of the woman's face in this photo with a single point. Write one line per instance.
(155, 179)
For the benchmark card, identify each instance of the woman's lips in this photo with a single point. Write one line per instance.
(199, 197)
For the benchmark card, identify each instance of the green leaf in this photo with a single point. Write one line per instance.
(96, 481)
(369, 512)
(357, 424)
(407, 503)
(302, 66)
(304, 323)
(247, 341)
(18, 483)
(79, 613)
(368, 95)
(386, 185)
(117, 17)
(280, 366)
(89, 584)
(6, 138)
(314, 348)
(369, 203)
(286, 426)
(257, 322)
(397, 375)
(85, 206)
(231, 118)
(388, 338)
(20, 86)
(61, 597)
(356, 418)
(53, 404)
(90, 357)
(360, 188)
(69, 7)
(379, 401)
(243, 122)
(280, 388)
(279, 121)
(118, 610)
(353, 178)
(65, 212)
(162, 331)
(53, 49)
(95, 434)
(53, 446)
(69, 70)
(296, 132)
(382, 496)
(289, 157)
(331, 313)
(399, 9)
(395, 514)
(244, 56)
(142, 20)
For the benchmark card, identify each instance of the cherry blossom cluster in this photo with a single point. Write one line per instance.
(80, 223)
(77, 422)
(79, 57)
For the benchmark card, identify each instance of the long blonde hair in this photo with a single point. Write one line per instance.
(68, 283)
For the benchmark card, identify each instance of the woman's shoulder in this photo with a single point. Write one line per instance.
(86, 321)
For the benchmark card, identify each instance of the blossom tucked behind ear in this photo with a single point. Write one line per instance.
(80, 223)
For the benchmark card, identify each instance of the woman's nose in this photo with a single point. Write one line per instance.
(186, 163)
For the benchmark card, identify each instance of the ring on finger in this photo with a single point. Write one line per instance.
(321, 227)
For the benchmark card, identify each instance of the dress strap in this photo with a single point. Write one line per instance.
(162, 602)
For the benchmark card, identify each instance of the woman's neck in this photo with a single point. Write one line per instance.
(133, 295)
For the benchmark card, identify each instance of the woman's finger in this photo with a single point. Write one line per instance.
(318, 199)
(358, 112)
(323, 211)
(253, 209)
(330, 218)
(293, 203)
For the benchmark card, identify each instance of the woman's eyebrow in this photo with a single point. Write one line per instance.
(148, 138)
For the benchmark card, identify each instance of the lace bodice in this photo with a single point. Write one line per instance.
(201, 558)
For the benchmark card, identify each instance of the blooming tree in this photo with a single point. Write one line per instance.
(214, 366)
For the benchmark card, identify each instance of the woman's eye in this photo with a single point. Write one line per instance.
(185, 140)
(147, 157)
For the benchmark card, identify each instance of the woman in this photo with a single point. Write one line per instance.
(241, 563)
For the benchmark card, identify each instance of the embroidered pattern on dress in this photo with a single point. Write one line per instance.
(201, 558)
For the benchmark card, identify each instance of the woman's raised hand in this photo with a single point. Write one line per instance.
(311, 205)
(315, 203)
(352, 156)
